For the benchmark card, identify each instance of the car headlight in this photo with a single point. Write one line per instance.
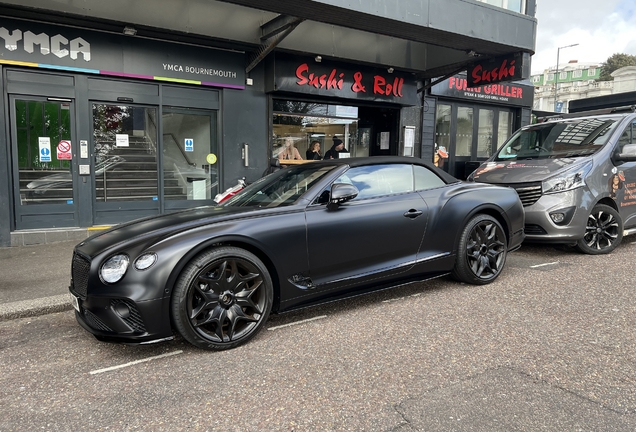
(145, 261)
(114, 268)
(568, 180)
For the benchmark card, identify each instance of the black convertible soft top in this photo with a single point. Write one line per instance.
(379, 160)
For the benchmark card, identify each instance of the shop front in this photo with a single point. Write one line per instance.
(102, 128)
(471, 123)
(318, 104)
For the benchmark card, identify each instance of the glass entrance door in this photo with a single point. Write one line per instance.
(466, 135)
(44, 152)
(190, 156)
(125, 170)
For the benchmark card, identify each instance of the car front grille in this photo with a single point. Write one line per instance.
(79, 272)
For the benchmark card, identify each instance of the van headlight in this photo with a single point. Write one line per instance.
(114, 268)
(568, 180)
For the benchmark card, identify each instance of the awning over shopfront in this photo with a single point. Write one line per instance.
(431, 38)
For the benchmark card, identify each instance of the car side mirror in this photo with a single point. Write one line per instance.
(342, 192)
(628, 154)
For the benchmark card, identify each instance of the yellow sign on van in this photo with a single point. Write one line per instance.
(211, 158)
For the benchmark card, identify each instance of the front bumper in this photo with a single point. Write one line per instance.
(539, 226)
(122, 320)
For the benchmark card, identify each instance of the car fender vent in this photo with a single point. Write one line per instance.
(301, 281)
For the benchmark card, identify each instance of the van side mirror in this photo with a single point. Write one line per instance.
(342, 192)
(628, 154)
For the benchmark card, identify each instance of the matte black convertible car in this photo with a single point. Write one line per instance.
(303, 235)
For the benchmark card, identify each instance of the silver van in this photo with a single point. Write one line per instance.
(576, 177)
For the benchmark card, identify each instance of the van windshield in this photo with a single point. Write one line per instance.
(563, 139)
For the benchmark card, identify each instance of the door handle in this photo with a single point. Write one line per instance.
(412, 213)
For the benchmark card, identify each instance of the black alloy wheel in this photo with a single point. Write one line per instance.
(482, 251)
(603, 231)
(222, 298)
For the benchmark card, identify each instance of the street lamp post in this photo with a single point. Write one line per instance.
(556, 75)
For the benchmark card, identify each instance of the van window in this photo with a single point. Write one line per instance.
(562, 139)
(627, 137)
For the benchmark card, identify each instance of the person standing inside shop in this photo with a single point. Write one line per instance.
(313, 152)
(336, 149)
(289, 151)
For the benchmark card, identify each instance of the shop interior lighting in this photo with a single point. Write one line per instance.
(130, 31)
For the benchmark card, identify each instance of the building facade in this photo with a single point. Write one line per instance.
(578, 81)
(115, 111)
(575, 81)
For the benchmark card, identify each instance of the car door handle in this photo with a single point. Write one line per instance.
(412, 213)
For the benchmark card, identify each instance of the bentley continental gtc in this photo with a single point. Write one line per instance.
(304, 235)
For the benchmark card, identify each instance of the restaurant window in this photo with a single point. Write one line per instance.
(485, 133)
(301, 123)
(464, 137)
(505, 126)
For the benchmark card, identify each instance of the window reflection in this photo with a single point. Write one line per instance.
(125, 144)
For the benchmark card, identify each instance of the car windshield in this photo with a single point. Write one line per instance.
(563, 139)
(281, 188)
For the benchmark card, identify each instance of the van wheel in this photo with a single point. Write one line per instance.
(603, 231)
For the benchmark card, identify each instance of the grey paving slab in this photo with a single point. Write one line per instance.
(506, 400)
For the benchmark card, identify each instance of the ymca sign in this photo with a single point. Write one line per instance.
(57, 45)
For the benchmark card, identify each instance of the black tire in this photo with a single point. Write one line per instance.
(603, 231)
(222, 298)
(482, 251)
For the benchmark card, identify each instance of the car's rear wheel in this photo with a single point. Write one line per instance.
(482, 251)
(222, 298)
(603, 231)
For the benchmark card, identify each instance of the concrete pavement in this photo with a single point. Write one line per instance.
(34, 279)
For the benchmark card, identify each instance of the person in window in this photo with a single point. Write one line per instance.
(336, 148)
(289, 151)
(313, 152)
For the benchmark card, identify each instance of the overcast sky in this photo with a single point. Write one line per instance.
(600, 27)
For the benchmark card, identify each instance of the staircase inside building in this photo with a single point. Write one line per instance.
(121, 174)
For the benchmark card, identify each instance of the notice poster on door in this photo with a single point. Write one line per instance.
(45, 149)
(384, 140)
(121, 140)
(64, 150)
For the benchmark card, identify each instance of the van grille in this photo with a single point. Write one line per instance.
(529, 193)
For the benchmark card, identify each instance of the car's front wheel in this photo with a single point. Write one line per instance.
(222, 298)
(603, 231)
(482, 251)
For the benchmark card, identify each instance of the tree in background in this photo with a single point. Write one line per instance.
(614, 62)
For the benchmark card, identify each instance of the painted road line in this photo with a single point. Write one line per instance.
(112, 368)
(543, 265)
(297, 322)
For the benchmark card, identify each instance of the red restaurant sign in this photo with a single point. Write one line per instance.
(295, 74)
(509, 68)
(508, 94)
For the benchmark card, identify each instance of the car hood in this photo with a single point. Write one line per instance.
(520, 171)
(152, 229)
